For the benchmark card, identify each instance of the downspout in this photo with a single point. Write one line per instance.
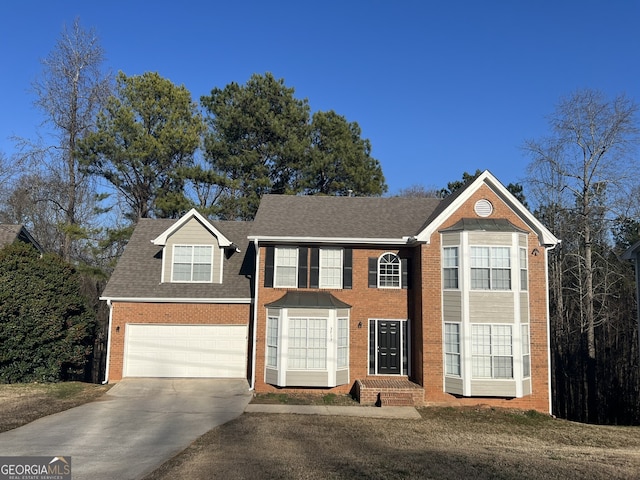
(106, 370)
(546, 273)
(255, 315)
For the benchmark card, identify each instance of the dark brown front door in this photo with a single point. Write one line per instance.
(389, 358)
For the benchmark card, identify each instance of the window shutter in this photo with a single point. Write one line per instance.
(406, 278)
(373, 272)
(268, 267)
(314, 277)
(302, 267)
(372, 345)
(347, 269)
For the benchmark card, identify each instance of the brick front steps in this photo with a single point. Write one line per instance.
(388, 392)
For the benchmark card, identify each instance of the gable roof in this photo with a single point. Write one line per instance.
(193, 213)
(374, 220)
(454, 201)
(12, 233)
(138, 272)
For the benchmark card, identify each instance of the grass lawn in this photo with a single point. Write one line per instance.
(456, 443)
(22, 403)
(475, 443)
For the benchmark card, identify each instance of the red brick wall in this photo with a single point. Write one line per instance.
(124, 313)
(366, 303)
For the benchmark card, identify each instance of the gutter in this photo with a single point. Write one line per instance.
(106, 370)
(177, 300)
(333, 240)
(546, 273)
(254, 342)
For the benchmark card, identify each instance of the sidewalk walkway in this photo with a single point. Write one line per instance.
(355, 411)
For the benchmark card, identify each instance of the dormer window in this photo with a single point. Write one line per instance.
(192, 263)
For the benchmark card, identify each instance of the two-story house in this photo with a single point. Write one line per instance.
(397, 300)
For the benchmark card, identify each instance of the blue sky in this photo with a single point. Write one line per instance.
(439, 88)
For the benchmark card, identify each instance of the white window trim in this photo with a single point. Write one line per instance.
(445, 352)
(492, 354)
(307, 347)
(399, 271)
(173, 263)
(457, 267)
(331, 347)
(276, 279)
(321, 253)
(523, 269)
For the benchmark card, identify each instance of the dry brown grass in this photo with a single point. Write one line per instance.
(445, 443)
(24, 403)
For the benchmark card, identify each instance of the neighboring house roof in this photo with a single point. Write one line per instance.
(327, 218)
(11, 233)
(137, 275)
(631, 252)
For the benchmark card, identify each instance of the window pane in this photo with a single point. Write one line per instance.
(526, 360)
(343, 342)
(182, 254)
(480, 257)
(317, 343)
(181, 272)
(272, 341)
(492, 351)
(307, 343)
(501, 279)
(286, 265)
(502, 367)
(330, 268)
(500, 257)
(192, 263)
(481, 367)
(524, 283)
(389, 270)
(450, 267)
(201, 254)
(201, 273)
(450, 257)
(450, 278)
(481, 339)
(501, 339)
(452, 348)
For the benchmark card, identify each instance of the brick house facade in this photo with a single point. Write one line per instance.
(396, 300)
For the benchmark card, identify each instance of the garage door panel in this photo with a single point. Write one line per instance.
(186, 351)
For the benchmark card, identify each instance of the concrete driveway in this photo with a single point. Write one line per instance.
(134, 428)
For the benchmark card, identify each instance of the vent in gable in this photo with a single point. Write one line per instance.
(483, 208)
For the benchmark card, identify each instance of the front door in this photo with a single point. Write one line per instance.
(389, 355)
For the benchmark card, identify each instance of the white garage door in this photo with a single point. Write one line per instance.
(185, 351)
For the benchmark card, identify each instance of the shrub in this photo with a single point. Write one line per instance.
(45, 324)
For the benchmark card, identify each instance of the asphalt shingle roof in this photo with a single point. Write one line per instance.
(9, 234)
(342, 217)
(138, 272)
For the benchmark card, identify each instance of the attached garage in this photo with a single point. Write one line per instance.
(153, 350)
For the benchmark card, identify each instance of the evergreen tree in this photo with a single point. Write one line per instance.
(46, 327)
